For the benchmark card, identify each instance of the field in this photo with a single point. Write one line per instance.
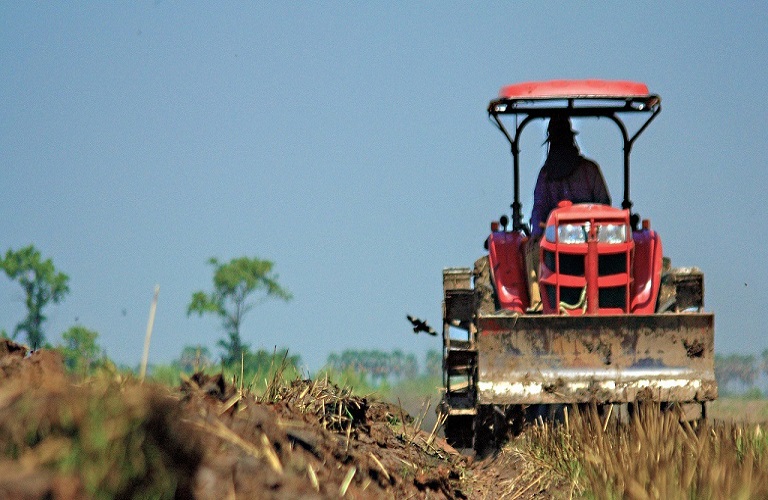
(111, 436)
(654, 456)
(735, 409)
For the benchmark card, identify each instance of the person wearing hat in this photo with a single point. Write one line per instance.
(565, 175)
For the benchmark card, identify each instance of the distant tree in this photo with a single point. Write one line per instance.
(764, 361)
(376, 364)
(80, 350)
(42, 284)
(434, 363)
(397, 363)
(350, 359)
(234, 285)
(334, 361)
(411, 368)
(735, 367)
(263, 361)
(194, 358)
(402, 365)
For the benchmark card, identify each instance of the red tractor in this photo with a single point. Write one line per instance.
(618, 326)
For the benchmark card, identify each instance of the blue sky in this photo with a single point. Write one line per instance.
(349, 143)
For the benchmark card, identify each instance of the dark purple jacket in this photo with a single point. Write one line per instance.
(584, 185)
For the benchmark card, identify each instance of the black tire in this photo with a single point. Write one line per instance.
(546, 412)
(459, 431)
(490, 430)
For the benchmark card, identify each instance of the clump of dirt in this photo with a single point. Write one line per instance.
(113, 437)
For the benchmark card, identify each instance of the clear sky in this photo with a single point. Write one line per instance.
(349, 143)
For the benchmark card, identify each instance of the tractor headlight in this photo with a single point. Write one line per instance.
(549, 234)
(612, 233)
(570, 234)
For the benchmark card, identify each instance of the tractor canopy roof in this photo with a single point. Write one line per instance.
(576, 97)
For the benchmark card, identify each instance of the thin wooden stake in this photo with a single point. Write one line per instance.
(148, 336)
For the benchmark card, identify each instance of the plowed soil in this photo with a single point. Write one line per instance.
(112, 437)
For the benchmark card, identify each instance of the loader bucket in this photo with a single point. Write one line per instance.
(527, 359)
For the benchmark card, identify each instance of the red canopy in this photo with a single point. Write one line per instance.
(567, 89)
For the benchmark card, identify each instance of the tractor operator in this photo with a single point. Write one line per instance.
(566, 175)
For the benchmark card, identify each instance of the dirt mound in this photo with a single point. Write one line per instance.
(112, 437)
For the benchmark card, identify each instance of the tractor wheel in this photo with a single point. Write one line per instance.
(516, 419)
(459, 431)
(545, 413)
(490, 430)
(495, 425)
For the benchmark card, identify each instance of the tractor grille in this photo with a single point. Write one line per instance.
(611, 264)
(614, 296)
(569, 295)
(567, 276)
(573, 265)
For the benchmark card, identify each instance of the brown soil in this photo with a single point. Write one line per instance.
(112, 437)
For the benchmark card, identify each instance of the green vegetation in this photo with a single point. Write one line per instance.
(384, 373)
(41, 283)
(234, 284)
(376, 365)
(194, 358)
(654, 455)
(253, 371)
(81, 352)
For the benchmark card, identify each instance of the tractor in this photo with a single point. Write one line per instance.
(619, 325)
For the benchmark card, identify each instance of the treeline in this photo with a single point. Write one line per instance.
(380, 366)
(361, 369)
(253, 370)
(739, 372)
(83, 356)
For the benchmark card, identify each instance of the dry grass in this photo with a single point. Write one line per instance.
(654, 456)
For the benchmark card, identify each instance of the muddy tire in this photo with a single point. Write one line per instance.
(552, 413)
(459, 431)
(490, 430)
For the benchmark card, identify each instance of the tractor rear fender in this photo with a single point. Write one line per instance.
(646, 269)
(529, 359)
(506, 258)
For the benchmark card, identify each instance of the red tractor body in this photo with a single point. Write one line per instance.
(592, 262)
(618, 324)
